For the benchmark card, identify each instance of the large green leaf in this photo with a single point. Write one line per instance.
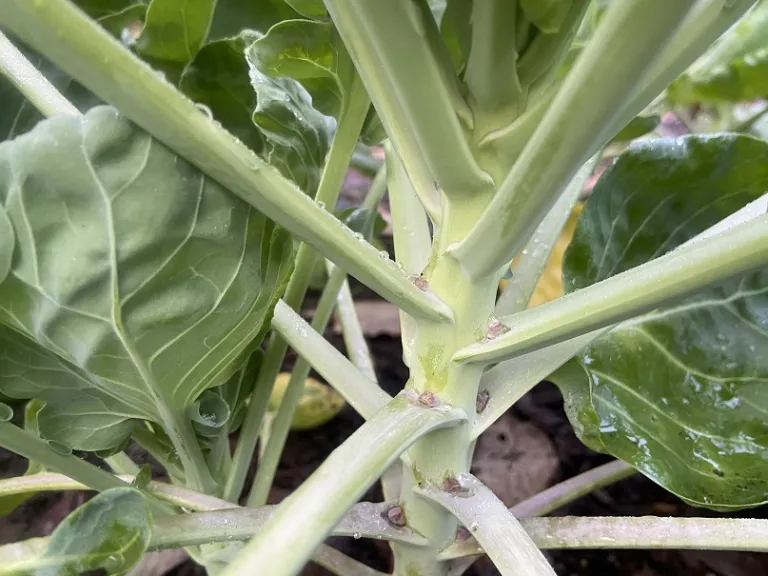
(745, 78)
(110, 532)
(310, 52)
(297, 135)
(681, 393)
(218, 78)
(314, 9)
(174, 32)
(137, 283)
(232, 17)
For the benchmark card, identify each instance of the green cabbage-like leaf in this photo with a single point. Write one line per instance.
(110, 532)
(314, 9)
(218, 78)
(681, 393)
(173, 33)
(300, 73)
(137, 283)
(745, 78)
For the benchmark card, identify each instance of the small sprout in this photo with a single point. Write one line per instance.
(496, 329)
(482, 400)
(420, 282)
(462, 534)
(395, 516)
(429, 399)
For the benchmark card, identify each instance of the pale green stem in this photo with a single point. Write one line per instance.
(432, 371)
(354, 339)
(572, 489)
(534, 257)
(544, 56)
(363, 520)
(746, 36)
(706, 22)
(220, 520)
(500, 149)
(29, 446)
(427, 132)
(605, 77)
(499, 533)
(54, 482)
(363, 394)
(281, 424)
(121, 463)
(159, 451)
(340, 564)
(352, 332)
(411, 235)
(351, 121)
(510, 380)
(553, 498)
(365, 517)
(309, 514)
(660, 282)
(491, 72)
(628, 533)
(31, 83)
(61, 32)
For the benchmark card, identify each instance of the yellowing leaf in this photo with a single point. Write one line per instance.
(550, 285)
(318, 404)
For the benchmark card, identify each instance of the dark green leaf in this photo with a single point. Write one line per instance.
(638, 126)
(681, 393)
(745, 78)
(209, 414)
(232, 17)
(373, 132)
(297, 136)
(314, 9)
(173, 33)
(310, 52)
(110, 532)
(456, 31)
(137, 284)
(218, 78)
(143, 478)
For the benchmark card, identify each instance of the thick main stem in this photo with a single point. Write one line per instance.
(445, 452)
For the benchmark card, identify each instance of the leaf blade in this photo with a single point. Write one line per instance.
(676, 393)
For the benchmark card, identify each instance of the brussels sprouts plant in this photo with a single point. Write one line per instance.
(168, 186)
